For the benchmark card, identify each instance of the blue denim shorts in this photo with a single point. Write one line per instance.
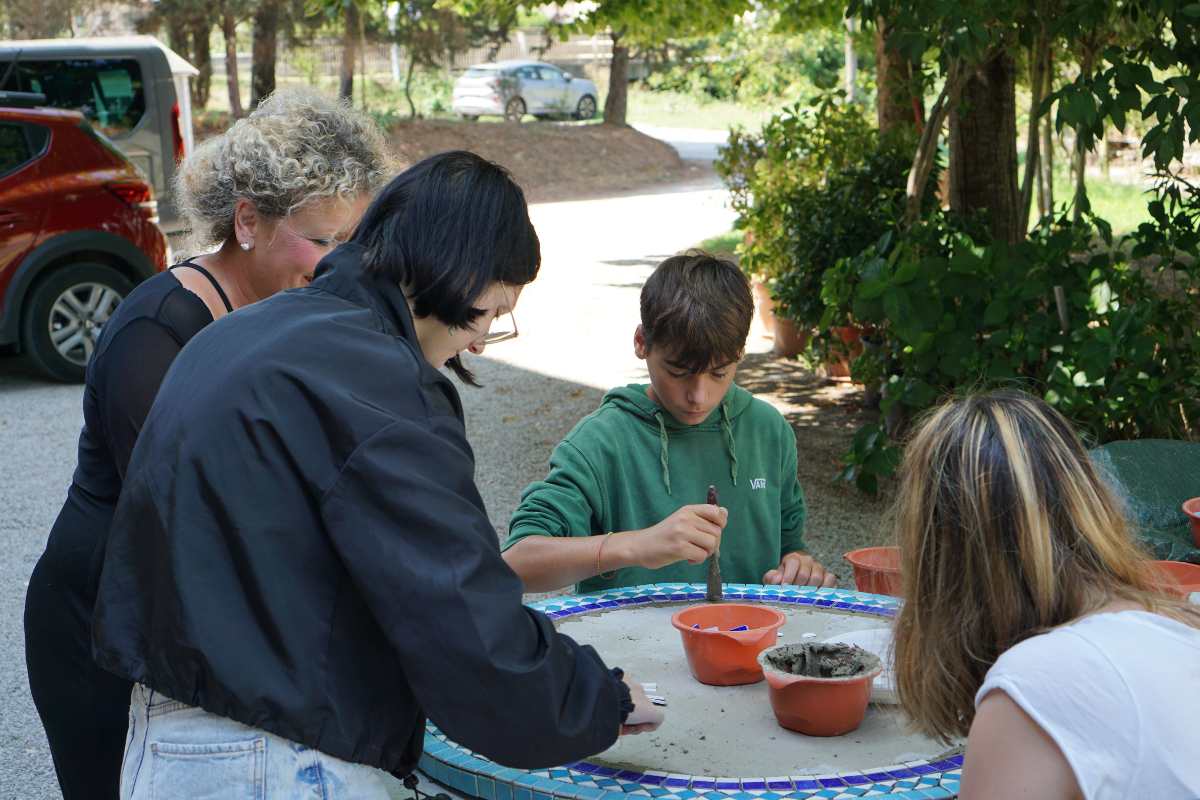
(173, 750)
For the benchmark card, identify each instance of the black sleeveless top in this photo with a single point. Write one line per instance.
(136, 348)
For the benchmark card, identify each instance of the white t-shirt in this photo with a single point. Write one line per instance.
(1119, 693)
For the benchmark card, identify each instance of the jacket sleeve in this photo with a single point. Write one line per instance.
(567, 503)
(792, 508)
(407, 523)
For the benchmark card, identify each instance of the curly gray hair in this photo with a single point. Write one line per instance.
(297, 147)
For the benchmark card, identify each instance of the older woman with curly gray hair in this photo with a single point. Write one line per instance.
(267, 200)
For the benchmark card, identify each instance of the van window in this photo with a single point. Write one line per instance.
(109, 91)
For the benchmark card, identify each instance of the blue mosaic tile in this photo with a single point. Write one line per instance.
(902, 773)
(504, 791)
(925, 769)
(780, 784)
(521, 793)
(831, 783)
(704, 784)
(487, 788)
(855, 780)
(652, 780)
(751, 786)
(728, 784)
(629, 775)
(879, 776)
(806, 785)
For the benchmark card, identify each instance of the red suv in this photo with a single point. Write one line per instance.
(78, 229)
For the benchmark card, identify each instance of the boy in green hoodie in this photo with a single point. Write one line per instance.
(625, 500)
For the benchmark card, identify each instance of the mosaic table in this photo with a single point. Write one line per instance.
(719, 743)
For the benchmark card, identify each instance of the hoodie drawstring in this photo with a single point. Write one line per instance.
(662, 449)
(727, 427)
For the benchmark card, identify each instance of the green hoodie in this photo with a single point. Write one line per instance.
(629, 465)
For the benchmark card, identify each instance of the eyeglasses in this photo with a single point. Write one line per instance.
(503, 335)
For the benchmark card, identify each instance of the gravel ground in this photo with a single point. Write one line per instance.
(576, 326)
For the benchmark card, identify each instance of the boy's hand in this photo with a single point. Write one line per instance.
(690, 534)
(800, 569)
(645, 715)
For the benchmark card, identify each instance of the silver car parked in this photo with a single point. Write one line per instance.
(512, 89)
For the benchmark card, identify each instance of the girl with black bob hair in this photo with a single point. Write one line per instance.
(301, 569)
(446, 230)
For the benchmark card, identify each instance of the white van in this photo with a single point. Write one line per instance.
(133, 89)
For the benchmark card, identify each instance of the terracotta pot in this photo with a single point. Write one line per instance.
(852, 338)
(876, 569)
(1177, 577)
(1192, 509)
(764, 304)
(725, 657)
(818, 706)
(790, 339)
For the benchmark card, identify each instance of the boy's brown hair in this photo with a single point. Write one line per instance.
(697, 308)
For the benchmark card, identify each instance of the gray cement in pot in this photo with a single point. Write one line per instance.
(730, 731)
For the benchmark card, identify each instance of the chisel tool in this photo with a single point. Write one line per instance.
(714, 594)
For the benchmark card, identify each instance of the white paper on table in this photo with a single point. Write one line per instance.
(879, 642)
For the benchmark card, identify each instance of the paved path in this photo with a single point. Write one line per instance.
(576, 340)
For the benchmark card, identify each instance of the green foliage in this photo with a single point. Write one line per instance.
(652, 22)
(816, 186)
(1119, 355)
(752, 63)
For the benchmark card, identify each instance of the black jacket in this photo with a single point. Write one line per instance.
(300, 546)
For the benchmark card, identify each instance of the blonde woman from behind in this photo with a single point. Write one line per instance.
(1031, 621)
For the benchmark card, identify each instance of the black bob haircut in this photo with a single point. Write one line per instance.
(445, 229)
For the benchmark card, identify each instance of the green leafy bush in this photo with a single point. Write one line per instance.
(777, 180)
(1063, 314)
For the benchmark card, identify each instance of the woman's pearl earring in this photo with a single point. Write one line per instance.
(246, 245)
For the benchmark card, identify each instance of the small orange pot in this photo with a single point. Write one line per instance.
(1178, 578)
(876, 569)
(818, 706)
(725, 657)
(1192, 509)
(790, 339)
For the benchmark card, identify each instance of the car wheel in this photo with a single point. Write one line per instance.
(470, 117)
(586, 109)
(514, 109)
(64, 315)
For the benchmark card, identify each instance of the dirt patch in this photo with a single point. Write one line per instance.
(551, 161)
(818, 660)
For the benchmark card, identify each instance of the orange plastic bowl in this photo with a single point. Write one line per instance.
(1178, 578)
(876, 569)
(725, 657)
(1192, 509)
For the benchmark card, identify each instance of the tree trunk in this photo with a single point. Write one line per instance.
(983, 148)
(926, 155)
(349, 50)
(266, 35)
(617, 102)
(412, 108)
(177, 34)
(229, 30)
(1080, 202)
(1037, 88)
(1048, 137)
(201, 60)
(851, 61)
(897, 102)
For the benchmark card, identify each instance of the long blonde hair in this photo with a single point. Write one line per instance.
(1005, 530)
